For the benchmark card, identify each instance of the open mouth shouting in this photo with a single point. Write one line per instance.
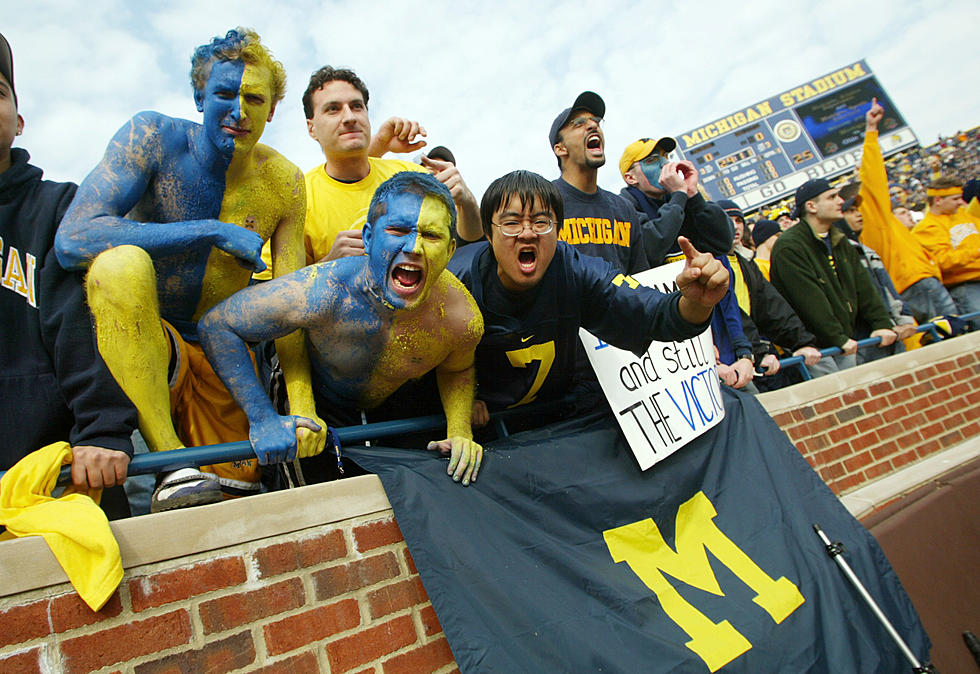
(593, 143)
(407, 279)
(527, 260)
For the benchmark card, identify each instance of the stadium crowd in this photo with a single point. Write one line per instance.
(198, 286)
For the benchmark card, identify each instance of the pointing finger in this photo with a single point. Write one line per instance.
(690, 252)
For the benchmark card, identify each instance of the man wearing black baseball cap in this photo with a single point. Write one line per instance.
(597, 222)
(818, 271)
(53, 385)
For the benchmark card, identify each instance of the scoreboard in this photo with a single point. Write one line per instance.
(766, 151)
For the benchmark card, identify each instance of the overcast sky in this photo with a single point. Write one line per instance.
(486, 79)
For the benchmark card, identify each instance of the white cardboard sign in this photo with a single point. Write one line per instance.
(669, 396)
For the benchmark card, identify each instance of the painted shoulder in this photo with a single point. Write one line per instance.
(150, 123)
(266, 155)
(461, 308)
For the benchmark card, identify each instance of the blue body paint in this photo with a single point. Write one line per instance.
(161, 186)
(389, 238)
(221, 105)
(357, 313)
(651, 169)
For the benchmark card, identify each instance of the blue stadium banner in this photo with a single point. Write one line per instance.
(564, 556)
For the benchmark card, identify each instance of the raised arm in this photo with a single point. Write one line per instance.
(467, 210)
(881, 228)
(398, 135)
(134, 159)
(261, 312)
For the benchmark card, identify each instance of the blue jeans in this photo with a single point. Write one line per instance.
(967, 298)
(832, 364)
(928, 298)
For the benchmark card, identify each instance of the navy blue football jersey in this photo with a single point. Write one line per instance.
(528, 348)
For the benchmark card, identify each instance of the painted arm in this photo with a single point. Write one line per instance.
(96, 219)
(261, 312)
(456, 378)
(288, 255)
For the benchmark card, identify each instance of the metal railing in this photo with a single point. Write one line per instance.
(192, 457)
(870, 341)
(162, 462)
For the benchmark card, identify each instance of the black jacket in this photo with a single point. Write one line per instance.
(771, 313)
(704, 223)
(53, 383)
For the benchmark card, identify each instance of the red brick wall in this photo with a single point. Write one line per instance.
(856, 436)
(347, 597)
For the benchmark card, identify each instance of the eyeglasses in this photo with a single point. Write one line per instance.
(515, 227)
(579, 122)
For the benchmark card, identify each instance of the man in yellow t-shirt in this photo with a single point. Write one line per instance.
(340, 190)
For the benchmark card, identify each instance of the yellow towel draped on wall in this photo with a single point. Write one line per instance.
(74, 526)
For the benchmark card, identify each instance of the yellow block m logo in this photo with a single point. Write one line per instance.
(641, 545)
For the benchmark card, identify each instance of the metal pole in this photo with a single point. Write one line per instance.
(835, 551)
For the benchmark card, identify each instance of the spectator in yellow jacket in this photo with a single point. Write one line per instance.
(914, 271)
(951, 235)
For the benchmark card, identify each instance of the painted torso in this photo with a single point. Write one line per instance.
(382, 348)
(193, 279)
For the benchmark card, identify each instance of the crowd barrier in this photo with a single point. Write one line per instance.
(797, 361)
(162, 462)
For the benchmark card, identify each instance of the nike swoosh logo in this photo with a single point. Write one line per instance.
(524, 339)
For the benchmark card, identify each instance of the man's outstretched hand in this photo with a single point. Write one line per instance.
(702, 282)
(465, 457)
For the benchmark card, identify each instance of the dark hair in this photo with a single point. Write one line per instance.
(558, 139)
(528, 187)
(416, 182)
(943, 182)
(330, 74)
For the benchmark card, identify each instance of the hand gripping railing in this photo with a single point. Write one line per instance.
(163, 462)
(835, 350)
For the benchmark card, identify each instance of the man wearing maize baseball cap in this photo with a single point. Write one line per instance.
(818, 271)
(596, 222)
(667, 193)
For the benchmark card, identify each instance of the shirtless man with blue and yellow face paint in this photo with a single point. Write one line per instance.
(170, 223)
(372, 323)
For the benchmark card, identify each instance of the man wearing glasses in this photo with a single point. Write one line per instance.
(535, 292)
(596, 222)
(667, 193)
